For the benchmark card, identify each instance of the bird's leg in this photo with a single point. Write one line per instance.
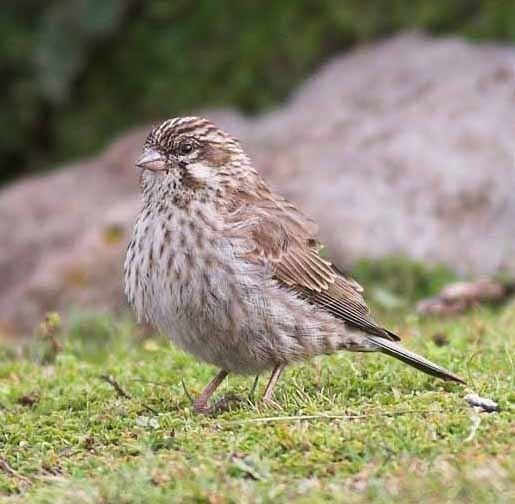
(269, 391)
(200, 405)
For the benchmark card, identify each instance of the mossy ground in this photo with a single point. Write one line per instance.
(351, 427)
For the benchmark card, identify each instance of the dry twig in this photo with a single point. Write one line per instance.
(117, 387)
(6, 468)
(328, 416)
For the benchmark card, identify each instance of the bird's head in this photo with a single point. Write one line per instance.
(190, 156)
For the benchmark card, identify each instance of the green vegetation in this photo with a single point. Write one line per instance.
(351, 427)
(75, 72)
(398, 281)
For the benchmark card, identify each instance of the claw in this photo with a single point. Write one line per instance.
(221, 406)
(270, 403)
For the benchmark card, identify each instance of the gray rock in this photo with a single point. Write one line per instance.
(407, 147)
(482, 403)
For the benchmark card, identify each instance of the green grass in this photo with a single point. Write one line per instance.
(352, 428)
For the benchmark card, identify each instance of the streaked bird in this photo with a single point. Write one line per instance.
(232, 271)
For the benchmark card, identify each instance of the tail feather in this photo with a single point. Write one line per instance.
(411, 358)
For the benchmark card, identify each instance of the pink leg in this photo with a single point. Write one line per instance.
(276, 374)
(201, 403)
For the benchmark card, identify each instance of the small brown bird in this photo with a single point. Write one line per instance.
(232, 271)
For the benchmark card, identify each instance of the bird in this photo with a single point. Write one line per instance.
(232, 271)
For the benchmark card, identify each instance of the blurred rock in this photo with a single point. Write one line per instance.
(460, 296)
(402, 147)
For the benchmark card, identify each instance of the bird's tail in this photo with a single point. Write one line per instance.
(397, 351)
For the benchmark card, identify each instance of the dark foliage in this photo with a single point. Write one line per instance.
(74, 72)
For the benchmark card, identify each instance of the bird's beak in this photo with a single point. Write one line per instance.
(151, 159)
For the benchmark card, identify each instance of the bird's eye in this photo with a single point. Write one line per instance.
(186, 148)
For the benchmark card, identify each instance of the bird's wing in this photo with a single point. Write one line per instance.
(283, 238)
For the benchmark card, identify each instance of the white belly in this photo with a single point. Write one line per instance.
(214, 304)
(196, 290)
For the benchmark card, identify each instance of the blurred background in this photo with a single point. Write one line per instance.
(77, 72)
(389, 122)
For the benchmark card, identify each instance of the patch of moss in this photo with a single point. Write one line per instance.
(402, 277)
(361, 426)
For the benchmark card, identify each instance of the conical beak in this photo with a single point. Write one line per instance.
(151, 159)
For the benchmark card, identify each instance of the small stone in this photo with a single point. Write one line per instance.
(483, 403)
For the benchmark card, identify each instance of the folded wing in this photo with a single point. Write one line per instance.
(283, 237)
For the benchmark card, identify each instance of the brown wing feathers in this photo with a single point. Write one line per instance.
(305, 268)
(284, 236)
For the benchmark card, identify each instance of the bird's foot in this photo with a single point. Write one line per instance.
(222, 405)
(269, 403)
